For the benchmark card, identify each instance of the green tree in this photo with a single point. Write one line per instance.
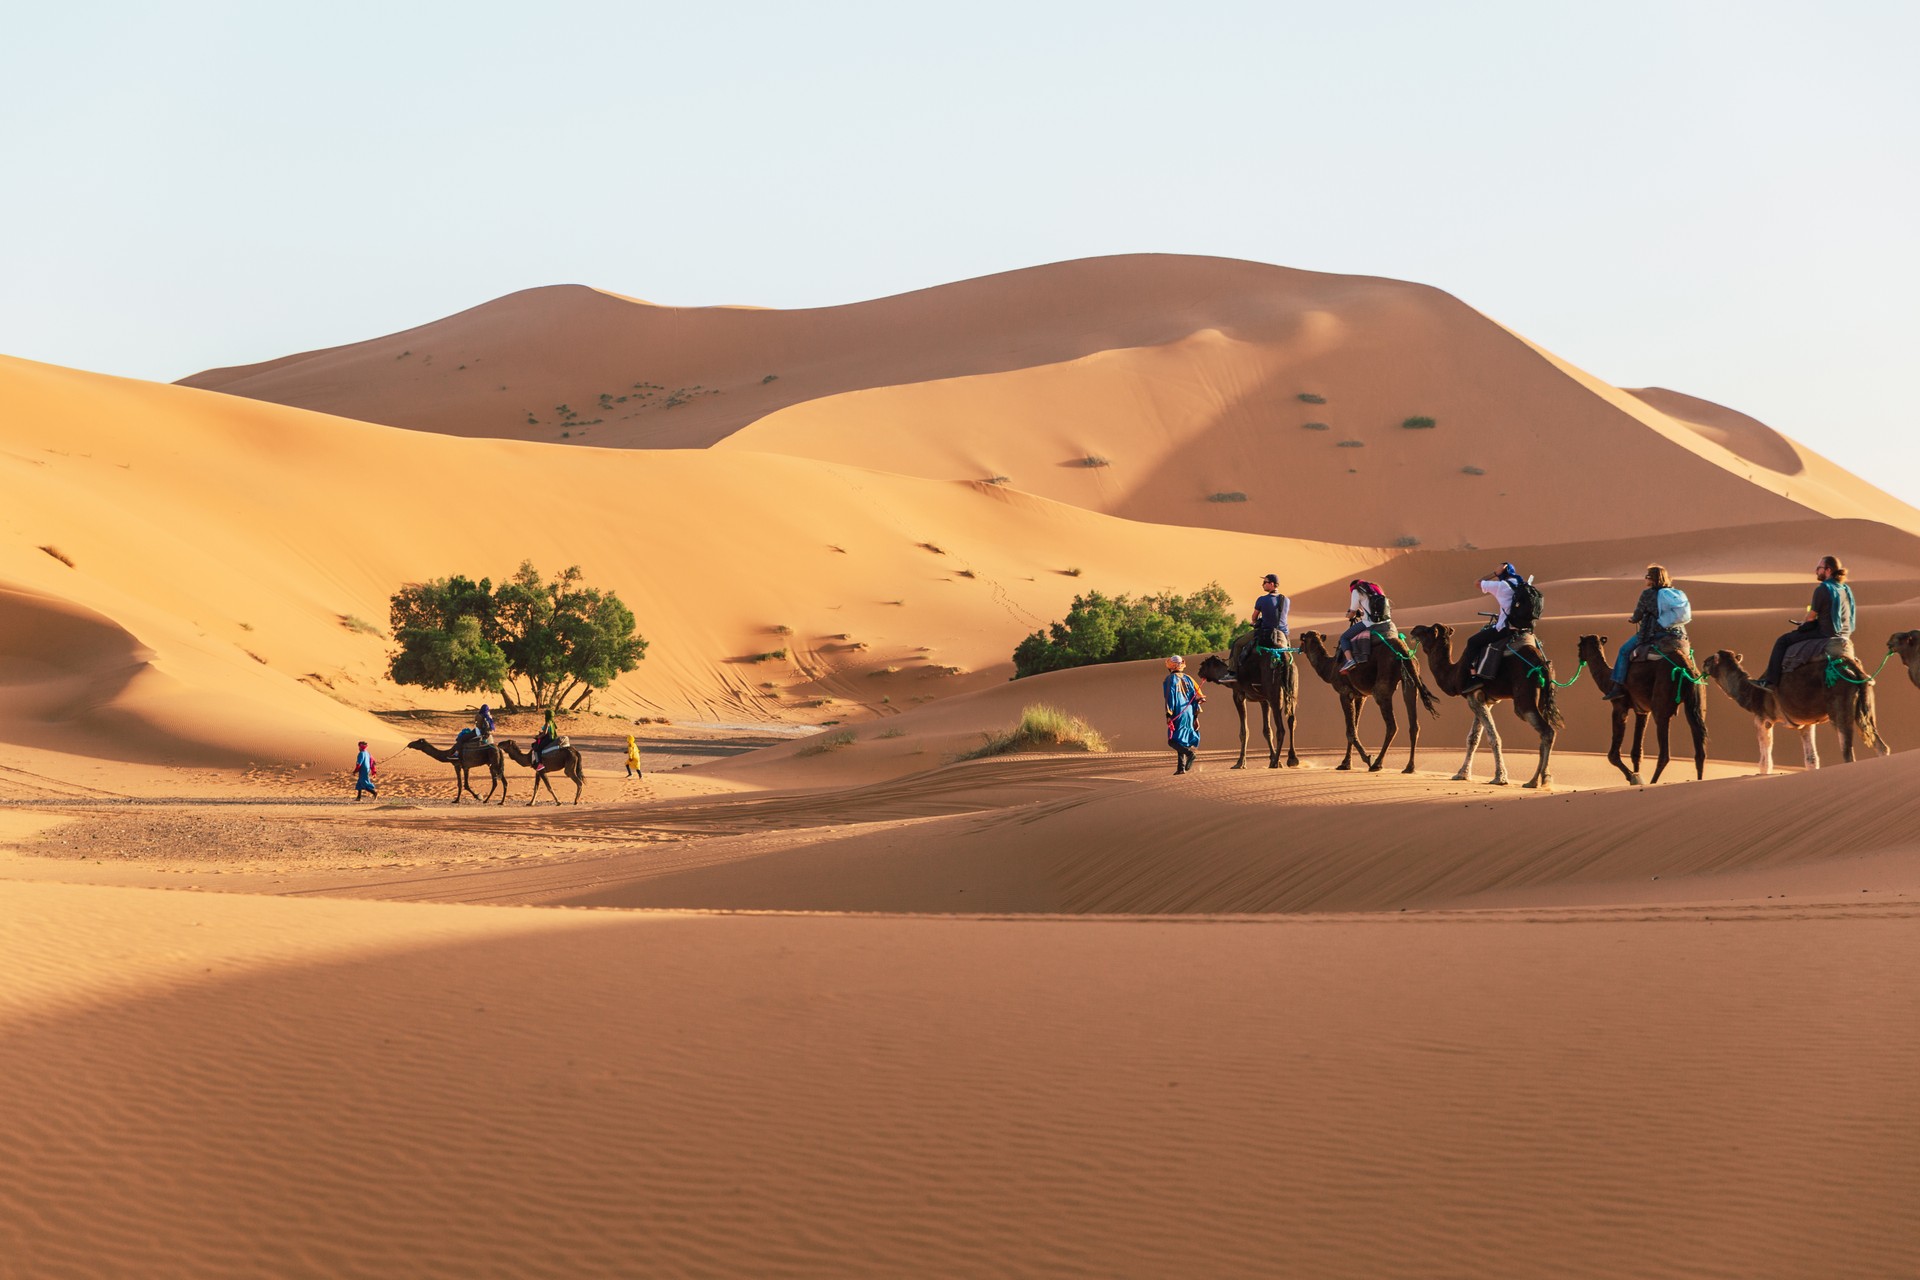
(1101, 628)
(563, 638)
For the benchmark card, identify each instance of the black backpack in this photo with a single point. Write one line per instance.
(1377, 604)
(1527, 602)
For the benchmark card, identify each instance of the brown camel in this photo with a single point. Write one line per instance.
(1276, 687)
(1907, 645)
(565, 759)
(1802, 701)
(1651, 691)
(1377, 678)
(1530, 688)
(465, 758)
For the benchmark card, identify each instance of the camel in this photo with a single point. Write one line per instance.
(1802, 701)
(565, 759)
(1377, 678)
(1276, 686)
(1650, 691)
(465, 757)
(1532, 696)
(1907, 645)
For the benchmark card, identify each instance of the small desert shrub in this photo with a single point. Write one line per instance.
(964, 573)
(894, 733)
(827, 742)
(1307, 397)
(771, 655)
(246, 626)
(885, 671)
(1315, 426)
(354, 622)
(1419, 424)
(1073, 572)
(1353, 444)
(256, 657)
(772, 377)
(1235, 496)
(781, 629)
(1406, 540)
(999, 480)
(59, 555)
(1473, 471)
(1095, 460)
(1041, 728)
(928, 546)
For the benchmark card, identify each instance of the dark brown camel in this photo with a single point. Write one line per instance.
(1651, 691)
(465, 758)
(1802, 701)
(1532, 697)
(565, 759)
(1377, 678)
(1276, 687)
(1907, 645)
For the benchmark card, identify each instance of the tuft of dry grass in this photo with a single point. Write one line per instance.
(354, 622)
(827, 742)
(60, 555)
(1041, 728)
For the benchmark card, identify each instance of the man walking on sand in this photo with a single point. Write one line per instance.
(363, 771)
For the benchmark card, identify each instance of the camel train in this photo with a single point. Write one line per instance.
(469, 754)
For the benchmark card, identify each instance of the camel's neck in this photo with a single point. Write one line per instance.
(1734, 682)
(1913, 667)
(1439, 653)
(1322, 662)
(1596, 659)
(444, 757)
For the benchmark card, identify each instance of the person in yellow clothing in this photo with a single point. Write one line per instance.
(633, 757)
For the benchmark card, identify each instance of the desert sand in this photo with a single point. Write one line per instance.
(815, 996)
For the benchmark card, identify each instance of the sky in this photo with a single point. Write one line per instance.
(1719, 198)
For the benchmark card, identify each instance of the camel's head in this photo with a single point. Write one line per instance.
(1431, 633)
(1590, 642)
(1904, 643)
(1727, 661)
(1319, 641)
(1212, 668)
(420, 744)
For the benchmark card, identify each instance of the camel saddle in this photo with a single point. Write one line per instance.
(1816, 648)
(1670, 649)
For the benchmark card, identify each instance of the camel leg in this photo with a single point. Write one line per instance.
(1350, 713)
(1473, 744)
(1843, 725)
(1392, 730)
(1293, 755)
(1485, 712)
(1542, 776)
(1696, 705)
(1639, 738)
(1809, 748)
(1663, 730)
(1270, 729)
(1613, 752)
(1410, 696)
(1240, 708)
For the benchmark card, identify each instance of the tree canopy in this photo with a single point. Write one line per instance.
(560, 638)
(1101, 628)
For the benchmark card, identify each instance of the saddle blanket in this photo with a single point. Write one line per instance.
(1671, 651)
(1817, 648)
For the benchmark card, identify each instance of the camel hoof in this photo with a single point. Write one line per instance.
(1241, 765)
(1408, 769)
(1633, 780)
(1343, 766)
(1496, 782)
(1462, 776)
(1375, 767)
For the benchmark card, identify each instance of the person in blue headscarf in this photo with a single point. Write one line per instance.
(1183, 699)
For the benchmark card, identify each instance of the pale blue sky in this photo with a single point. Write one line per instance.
(1714, 197)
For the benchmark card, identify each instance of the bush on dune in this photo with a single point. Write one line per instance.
(1100, 628)
(1041, 728)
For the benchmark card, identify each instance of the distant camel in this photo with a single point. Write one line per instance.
(1276, 686)
(566, 759)
(1650, 691)
(1907, 645)
(1802, 701)
(1532, 697)
(1377, 678)
(466, 757)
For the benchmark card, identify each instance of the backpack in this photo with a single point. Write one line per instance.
(1376, 600)
(1843, 609)
(1527, 602)
(1672, 608)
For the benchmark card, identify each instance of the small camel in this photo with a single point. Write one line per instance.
(1650, 691)
(1907, 645)
(1532, 696)
(1802, 701)
(1276, 687)
(566, 759)
(465, 757)
(1377, 678)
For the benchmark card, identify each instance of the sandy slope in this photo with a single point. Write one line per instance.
(566, 1093)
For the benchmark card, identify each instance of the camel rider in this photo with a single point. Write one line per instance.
(1366, 608)
(483, 722)
(1499, 585)
(1269, 620)
(1183, 698)
(548, 735)
(1830, 614)
(1647, 614)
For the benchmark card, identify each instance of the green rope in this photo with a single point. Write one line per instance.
(1837, 670)
(1405, 655)
(1682, 677)
(1539, 673)
(1273, 653)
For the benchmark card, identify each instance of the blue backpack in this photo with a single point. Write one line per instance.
(1673, 608)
